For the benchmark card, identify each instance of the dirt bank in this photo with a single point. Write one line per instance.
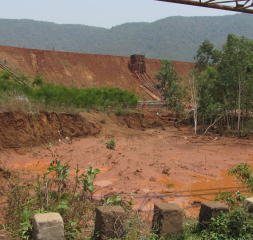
(81, 70)
(19, 129)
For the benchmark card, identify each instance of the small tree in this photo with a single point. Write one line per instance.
(169, 84)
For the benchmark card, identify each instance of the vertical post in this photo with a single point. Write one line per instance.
(168, 219)
(110, 222)
(48, 226)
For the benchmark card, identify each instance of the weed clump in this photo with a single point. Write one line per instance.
(51, 192)
(111, 144)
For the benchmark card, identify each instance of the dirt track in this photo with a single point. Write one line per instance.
(81, 70)
(149, 154)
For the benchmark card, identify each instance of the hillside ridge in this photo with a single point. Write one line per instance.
(174, 38)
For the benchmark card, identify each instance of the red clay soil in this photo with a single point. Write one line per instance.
(81, 70)
(19, 129)
(150, 153)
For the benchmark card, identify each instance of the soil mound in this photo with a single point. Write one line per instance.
(19, 129)
(140, 121)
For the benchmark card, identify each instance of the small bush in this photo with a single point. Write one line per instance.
(111, 144)
(238, 224)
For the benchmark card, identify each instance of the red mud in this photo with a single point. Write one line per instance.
(145, 160)
(19, 129)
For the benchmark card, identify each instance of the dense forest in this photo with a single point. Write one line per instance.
(174, 38)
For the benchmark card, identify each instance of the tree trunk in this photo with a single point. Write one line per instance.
(239, 106)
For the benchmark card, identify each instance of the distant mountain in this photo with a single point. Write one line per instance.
(174, 38)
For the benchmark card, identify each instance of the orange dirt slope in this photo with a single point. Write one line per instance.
(81, 70)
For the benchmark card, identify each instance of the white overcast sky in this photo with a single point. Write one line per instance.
(99, 13)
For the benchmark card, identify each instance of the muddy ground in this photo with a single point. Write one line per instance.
(150, 153)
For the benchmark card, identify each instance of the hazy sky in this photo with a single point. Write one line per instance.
(99, 13)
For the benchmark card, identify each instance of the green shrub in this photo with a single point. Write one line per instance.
(237, 224)
(111, 144)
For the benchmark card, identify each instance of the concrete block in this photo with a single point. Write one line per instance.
(248, 204)
(210, 210)
(168, 219)
(48, 226)
(110, 222)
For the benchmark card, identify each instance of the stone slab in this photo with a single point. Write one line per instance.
(248, 204)
(110, 222)
(210, 210)
(168, 219)
(48, 226)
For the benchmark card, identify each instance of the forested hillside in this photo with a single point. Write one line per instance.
(174, 38)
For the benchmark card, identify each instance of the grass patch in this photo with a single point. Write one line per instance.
(21, 92)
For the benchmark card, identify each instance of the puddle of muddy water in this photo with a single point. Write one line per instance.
(188, 195)
(35, 165)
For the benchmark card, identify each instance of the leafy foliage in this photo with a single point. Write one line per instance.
(111, 144)
(244, 175)
(232, 200)
(88, 178)
(206, 55)
(238, 224)
(225, 83)
(169, 84)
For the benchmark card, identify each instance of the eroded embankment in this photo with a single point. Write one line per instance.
(19, 129)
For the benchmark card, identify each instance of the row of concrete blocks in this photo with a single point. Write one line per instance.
(110, 220)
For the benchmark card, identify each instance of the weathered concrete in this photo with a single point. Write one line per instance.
(48, 226)
(248, 204)
(110, 222)
(168, 219)
(210, 210)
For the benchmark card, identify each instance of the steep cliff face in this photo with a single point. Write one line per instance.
(81, 70)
